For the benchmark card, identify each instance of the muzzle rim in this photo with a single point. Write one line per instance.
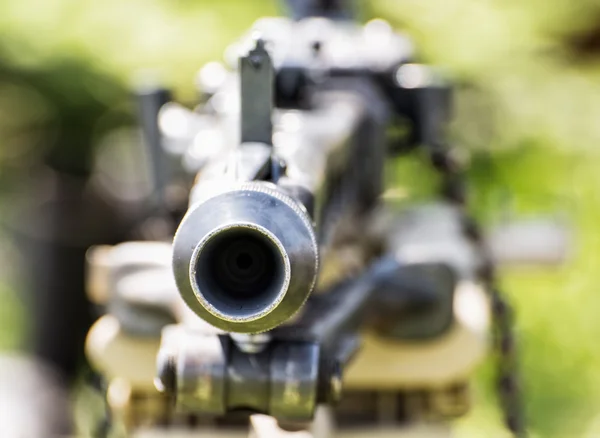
(281, 252)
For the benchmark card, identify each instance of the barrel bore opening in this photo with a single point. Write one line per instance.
(240, 272)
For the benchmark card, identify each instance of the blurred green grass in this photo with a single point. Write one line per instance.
(557, 307)
(531, 119)
(532, 122)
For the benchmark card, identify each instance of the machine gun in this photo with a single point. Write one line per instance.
(289, 258)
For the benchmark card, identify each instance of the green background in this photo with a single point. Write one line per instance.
(530, 119)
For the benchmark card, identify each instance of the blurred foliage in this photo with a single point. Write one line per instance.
(530, 115)
(528, 109)
(66, 66)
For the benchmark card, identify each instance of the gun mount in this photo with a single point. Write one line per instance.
(282, 267)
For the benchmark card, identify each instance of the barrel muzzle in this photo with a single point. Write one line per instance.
(246, 259)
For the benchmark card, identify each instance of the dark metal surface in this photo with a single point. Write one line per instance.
(344, 84)
(415, 303)
(150, 100)
(268, 214)
(301, 365)
(200, 372)
(294, 377)
(339, 163)
(338, 155)
(333, 9)
(210, 375)
(256, 83)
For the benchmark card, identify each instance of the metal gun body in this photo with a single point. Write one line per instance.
(246, 254)
(281, 262)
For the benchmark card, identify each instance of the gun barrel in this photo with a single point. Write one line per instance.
(246, 259)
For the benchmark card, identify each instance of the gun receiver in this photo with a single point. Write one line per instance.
(288, 154)
(246, 255)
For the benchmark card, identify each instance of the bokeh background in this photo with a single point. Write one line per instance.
(529, 115)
